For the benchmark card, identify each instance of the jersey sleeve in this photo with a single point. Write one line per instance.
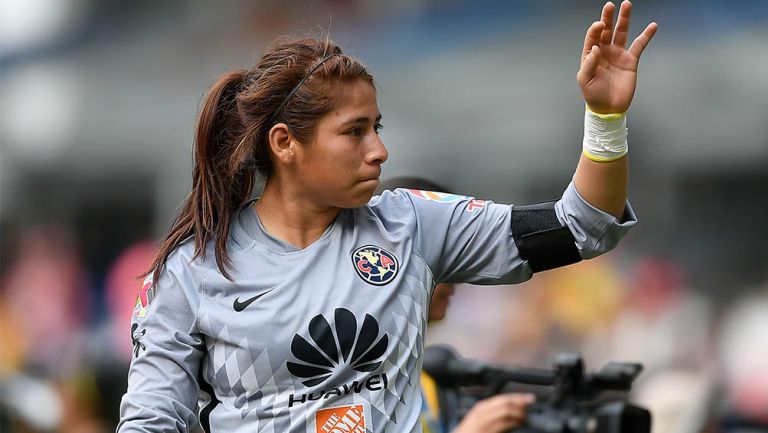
(167, 351)
(465, 240)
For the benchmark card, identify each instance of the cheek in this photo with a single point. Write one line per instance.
(331, 169)
(340, 163)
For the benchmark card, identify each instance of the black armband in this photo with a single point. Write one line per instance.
(541, 239)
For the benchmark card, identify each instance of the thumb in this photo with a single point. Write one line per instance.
(589, 65)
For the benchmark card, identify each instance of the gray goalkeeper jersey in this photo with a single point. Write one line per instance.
(328, 338)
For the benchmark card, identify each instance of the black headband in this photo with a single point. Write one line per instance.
(296, 89)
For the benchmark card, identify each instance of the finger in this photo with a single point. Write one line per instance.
(607, 19)
(522, 398)
(592, 38)
(514, 410)
(504, 425)
(622, 25)
(518, 403)
(642, 41)
(512, 417)
(589, 64)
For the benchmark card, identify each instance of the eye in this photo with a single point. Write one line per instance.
(355, 132)
(377, 127)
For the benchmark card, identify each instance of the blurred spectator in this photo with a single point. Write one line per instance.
(667, 327)
(81, 406)
(744, 360)
(678, 399)
(475, 329)
(45, 291)
(525, 332)
(582, 303)
(662, 324)
(11, 331)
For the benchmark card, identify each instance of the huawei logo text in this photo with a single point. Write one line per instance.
(338, 346)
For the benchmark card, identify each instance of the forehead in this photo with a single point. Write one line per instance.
(354, 99)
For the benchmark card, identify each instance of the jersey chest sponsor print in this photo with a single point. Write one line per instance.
(338, 347)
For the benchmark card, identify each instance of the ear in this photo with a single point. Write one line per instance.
(281, 143)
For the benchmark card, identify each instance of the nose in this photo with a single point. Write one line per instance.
(378, 152)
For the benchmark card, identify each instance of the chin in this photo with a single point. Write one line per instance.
(362, 196)
(358, 200)
(363, 200)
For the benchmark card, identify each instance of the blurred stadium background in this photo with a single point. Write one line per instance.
(97, 105)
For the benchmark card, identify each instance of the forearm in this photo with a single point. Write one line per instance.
(608, 77)
(603, 184)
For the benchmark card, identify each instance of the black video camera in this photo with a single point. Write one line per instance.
(573, 406)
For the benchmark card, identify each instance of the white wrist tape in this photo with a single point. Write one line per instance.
(605, 136)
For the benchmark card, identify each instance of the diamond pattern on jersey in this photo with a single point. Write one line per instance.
(246, 374)
(247, 382)
(407, 314)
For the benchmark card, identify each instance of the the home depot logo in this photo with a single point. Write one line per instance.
(343, 419)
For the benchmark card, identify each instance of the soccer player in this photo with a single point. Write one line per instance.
(304, 310)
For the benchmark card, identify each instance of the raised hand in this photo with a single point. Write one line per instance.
(608, 73)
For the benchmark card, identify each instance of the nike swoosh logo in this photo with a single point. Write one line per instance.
(240, 306)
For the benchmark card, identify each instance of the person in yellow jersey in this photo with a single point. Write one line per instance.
(496, 414)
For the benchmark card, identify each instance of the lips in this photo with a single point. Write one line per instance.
(369, 179)
(372, 176)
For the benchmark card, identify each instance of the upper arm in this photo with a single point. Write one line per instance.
(168, 347)
(463, 239)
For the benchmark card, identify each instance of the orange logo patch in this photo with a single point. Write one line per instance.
(343, 419)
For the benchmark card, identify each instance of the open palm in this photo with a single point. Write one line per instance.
(608, 72)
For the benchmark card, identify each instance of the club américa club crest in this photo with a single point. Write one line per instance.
(375, 265)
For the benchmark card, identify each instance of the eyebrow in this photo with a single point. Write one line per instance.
(362, 120)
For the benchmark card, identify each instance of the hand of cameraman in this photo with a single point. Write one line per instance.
(497, 414)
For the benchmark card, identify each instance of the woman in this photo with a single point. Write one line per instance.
(304, 310)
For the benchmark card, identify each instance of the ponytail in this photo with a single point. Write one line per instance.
(221, 179)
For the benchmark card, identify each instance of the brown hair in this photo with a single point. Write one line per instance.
(231, 137)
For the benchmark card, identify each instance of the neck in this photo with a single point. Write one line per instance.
(292, 219)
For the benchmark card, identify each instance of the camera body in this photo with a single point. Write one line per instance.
(610, 417)
(573, 406)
